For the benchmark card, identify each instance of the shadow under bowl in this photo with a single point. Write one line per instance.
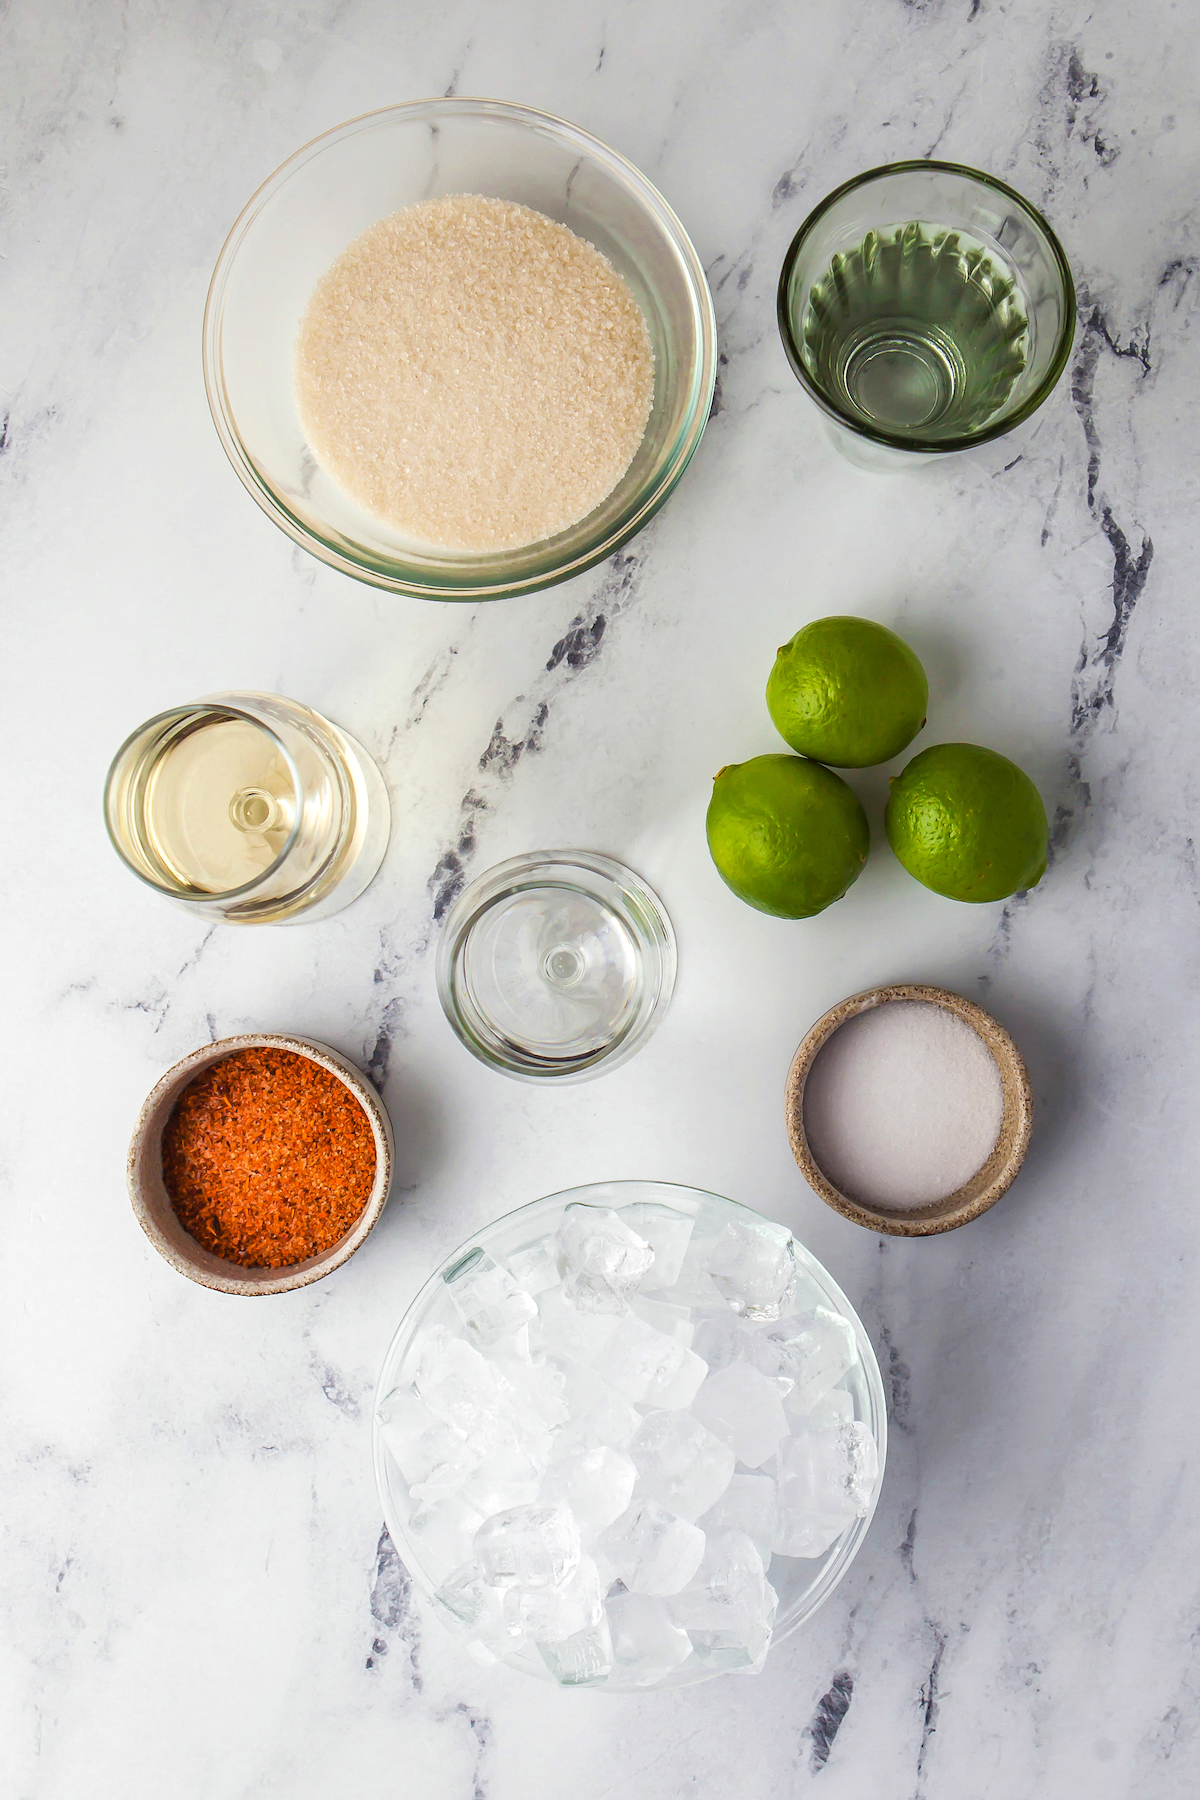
(152, 1204)
(988, 1182)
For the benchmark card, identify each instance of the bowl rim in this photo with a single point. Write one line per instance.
(855, 1534)
(704, 372)
(967, 1202)
(297, 1275)
(894, 440)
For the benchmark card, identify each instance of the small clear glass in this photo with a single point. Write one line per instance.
(556, 964)
(802, 1583)
(249, 809)
(927, 309)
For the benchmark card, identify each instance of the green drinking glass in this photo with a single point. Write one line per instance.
(927, 308)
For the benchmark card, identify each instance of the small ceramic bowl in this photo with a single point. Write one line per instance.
(986, 1185)
(152, 1205)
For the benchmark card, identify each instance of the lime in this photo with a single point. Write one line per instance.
(787, 835)
(968, 823)
(847, 691)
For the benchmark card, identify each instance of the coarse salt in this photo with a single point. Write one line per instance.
(902, 1105)
(474, 374)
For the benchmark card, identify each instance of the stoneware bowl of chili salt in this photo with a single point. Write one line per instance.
(908, 1109)
(276, 1152)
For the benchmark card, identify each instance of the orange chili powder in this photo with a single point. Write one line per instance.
(268, 1158)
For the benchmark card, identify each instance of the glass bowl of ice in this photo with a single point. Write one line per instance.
(628, 1436)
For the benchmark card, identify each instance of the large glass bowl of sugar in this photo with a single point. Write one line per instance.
(306, 214)
(434, 1541)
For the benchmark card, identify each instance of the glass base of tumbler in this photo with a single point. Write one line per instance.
(556, 964)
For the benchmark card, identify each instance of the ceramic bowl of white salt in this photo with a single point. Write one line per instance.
(909, 1109)
(459, 349)
(627, 1437)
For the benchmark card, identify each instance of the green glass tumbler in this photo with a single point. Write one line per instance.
(927, 309)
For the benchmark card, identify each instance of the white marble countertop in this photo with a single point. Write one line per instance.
(197, 1601)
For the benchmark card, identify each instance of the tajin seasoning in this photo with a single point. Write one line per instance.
(268, 1158)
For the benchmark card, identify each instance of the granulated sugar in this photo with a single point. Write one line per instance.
(474, 374)
(902, 1105)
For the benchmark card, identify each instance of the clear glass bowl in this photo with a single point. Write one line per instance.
(323, 197)
(923, 331)
(802, 1584)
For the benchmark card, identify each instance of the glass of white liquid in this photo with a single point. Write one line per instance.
(248, 808)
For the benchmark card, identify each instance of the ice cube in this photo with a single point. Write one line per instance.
(835, 1409)
(819, 1348)
(668, 1233)
(693, 1284)
(605, 1418)
(742, 1650)
(538, 1396)
(533, 1546)
(748, 1504)
(422, 1445)
(548, 1615)
(514, 1348)
(473, 1609)
(671, 1318)
(647, 1366)
(741, 1406)
(507, 1476)
(827, 1478)
(456, 1382)
(488, 1301)
(444, 1530)
(562, 1330)
(722, 1341)
(601, 1259)
(536, 1267)
(596, 1483)
(727, 1588)
(681, 1463)
(652, 1550)
(582, 1660)
(606, 1573)
(754, 1266)
(862, 1458)
(728, 1607)
(722, 1337)
(646, 1642)
(451, 1477)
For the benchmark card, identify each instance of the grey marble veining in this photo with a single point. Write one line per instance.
(197, 1598)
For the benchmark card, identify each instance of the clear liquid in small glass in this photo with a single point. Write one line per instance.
(220, 804)
(555, 969)
(554, 964)
(249, 808)
(919, 330)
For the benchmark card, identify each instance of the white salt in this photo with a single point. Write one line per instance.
(902, 1105)
(473, 373)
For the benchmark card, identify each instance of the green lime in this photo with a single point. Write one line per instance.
(786, 834)
(847, 691)
(968, 823)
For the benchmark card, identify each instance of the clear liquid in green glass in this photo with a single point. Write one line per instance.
(921, 332)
